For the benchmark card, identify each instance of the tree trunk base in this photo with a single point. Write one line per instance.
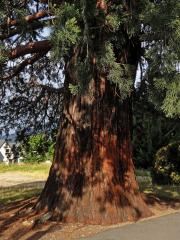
(96, 203)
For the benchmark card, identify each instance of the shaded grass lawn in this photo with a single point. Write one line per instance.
(162, 191)
(10, 195)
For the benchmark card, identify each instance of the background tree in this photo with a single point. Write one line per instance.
(37, 148)
(151, 131)
(98, 45)
(167, 164)
(16, 149)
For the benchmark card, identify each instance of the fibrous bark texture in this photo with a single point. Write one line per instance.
(92, 177)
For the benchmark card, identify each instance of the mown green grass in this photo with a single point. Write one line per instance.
(34, 170)
(24, 167)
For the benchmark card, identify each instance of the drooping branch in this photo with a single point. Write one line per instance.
(50, 88)
(25, 2)
(18, 30)
(53, 1)
(28, 61)
(34, 84)
(28, 19)
(30, 48)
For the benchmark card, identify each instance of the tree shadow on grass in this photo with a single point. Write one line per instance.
(36, 233)
(15, 226)
(19, 192)
(17, 204)
(34, 184)
(153, 200)
(15, 211)
(11, 216)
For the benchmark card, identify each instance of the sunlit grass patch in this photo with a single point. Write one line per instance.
(35, 170)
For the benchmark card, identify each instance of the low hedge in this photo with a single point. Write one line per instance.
(167, 165)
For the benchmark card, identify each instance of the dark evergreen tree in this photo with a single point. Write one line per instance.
(152, 130)
(76, 61)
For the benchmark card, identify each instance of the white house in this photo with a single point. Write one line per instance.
(9, 152)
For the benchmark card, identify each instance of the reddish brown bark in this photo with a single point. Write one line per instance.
(102, 5)
(30, 48)
(92, 176)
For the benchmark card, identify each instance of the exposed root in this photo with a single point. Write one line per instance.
(43, 219)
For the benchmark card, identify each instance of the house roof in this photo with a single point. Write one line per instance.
(2, 141)
(10, 143)
(1, 157)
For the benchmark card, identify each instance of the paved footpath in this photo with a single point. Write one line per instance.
(162, 228)
(10, 179)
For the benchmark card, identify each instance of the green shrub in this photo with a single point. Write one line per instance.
(167, 164)
(38, 148)
(33, 158)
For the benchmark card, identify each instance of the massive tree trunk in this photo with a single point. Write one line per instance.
(92, 177)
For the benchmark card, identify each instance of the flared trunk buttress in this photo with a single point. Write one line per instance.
(92, 177)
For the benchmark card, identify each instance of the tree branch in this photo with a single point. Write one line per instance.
(31, 61)
(13, 32)
(25, 63)
(30, 48)
(50, 88)
(28, 19)
(52, 1)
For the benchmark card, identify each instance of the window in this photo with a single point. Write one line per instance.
(7, 150)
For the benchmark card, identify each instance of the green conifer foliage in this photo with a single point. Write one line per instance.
(153, 26)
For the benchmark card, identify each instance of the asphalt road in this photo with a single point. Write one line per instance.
(162, 228)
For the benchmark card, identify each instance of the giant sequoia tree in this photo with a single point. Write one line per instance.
(72, 65)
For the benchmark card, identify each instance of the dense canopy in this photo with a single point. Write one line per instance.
(39, 37)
